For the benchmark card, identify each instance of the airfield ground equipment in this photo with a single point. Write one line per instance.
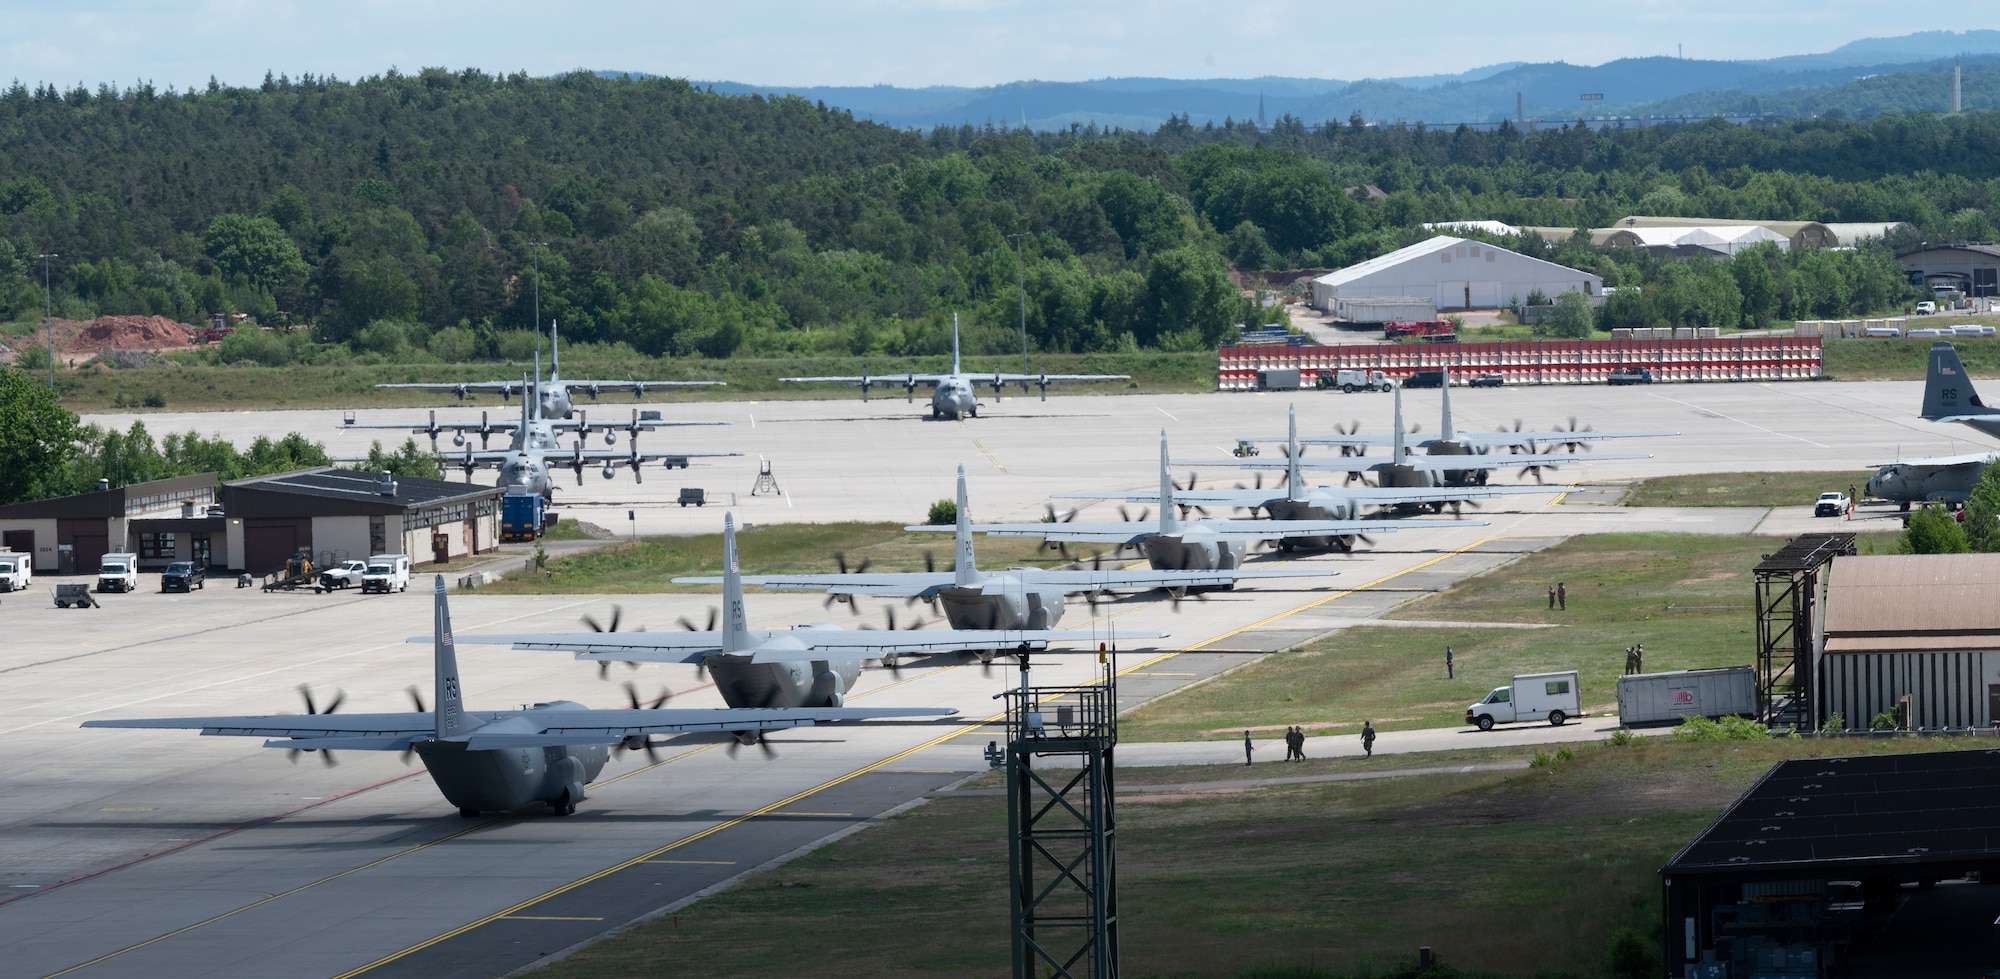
(1062, 833)
(78, 595)
(298, 573)
(693, 494)
(766, 482)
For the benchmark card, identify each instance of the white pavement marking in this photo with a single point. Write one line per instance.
(1739, 421)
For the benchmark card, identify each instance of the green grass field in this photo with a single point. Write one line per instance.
(1686, 598)
(1511, 872)
(1743, 489)
(1903, 358)
(646, 565)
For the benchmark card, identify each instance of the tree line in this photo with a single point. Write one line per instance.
(431, 215)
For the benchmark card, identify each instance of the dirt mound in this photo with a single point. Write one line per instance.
(125, 333)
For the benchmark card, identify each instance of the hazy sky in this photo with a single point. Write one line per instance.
(905, 42)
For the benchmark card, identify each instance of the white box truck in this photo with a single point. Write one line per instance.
(1666, 698)
(386, 573)
(1350, 381)
(1533, 697)
(118, 572)
(16, 570)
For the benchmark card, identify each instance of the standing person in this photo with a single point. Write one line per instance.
(1447, 663)
(1552, 598)
(1562, 597)
(1247, 747)
(1299, 742)
(1639, 658)
(1368, 739)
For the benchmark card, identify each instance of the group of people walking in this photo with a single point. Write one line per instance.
(1295, 743)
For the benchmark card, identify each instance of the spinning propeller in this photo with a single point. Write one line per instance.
(339, 697)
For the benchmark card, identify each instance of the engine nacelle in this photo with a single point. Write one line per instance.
(827, 690)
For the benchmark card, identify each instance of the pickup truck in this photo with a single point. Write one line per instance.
(16, 570)
(1630, 375)
(346, 574)
(1832, 505)
(118, 572)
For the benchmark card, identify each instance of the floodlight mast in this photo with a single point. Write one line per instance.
(1021, 287)
(537, 259)
(49, 315)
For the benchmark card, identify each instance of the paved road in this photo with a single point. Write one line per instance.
(193, 856)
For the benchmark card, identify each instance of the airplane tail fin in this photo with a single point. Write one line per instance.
(954, 343)
(1947, 390)
(967, 571)
(1294, 486)
(1168, 524)
(1396, 448)
(1445, 392)
(734, 623)
(450, 708)
(555, 353)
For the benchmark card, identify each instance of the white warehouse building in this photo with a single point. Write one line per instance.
(1453, 273)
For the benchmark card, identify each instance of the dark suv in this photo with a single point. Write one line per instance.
(183, 576)
(1425, 379)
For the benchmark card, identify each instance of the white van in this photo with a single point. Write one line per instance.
(386, 573)
(118, 572)
(1533, 697)
(16, 570)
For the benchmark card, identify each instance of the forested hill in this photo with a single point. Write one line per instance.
(399, 214)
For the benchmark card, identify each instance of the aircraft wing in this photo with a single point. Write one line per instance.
(505, 389)
(432, 428)
(872, 380)
(1144, 578)
(1500, 439)
(888, 583)
(1135, 532)
(786, 644)
(1030, 379)
(1422, 463)
(559, 727)
(595, 388)
(1257, 499)
(1941, 461)
(586, 426)
(363, 732)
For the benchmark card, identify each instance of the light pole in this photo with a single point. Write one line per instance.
(49, 315)
(538, 291)
(1020, 286)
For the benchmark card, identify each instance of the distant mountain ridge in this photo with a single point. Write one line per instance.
(1485, 94)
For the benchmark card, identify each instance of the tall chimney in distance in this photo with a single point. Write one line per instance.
(1520, 115)
(1955, 69)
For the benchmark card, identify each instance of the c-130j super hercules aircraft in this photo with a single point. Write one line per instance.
(954, 395)
(488, 761)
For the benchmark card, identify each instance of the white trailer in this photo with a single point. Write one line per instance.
(1531, 697)
(1667, 698)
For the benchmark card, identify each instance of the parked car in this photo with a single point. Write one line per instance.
(1425, 379)
(183, 576)
(1630, 375)
(1487, 381)
(1833, 504)
(346, 574)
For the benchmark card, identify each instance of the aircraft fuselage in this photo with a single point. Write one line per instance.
(503, 779)
(954, 398)
(1001, 602)
(1908, 484)
(815, 682)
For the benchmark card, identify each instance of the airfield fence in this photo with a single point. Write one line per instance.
(1536, 361)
